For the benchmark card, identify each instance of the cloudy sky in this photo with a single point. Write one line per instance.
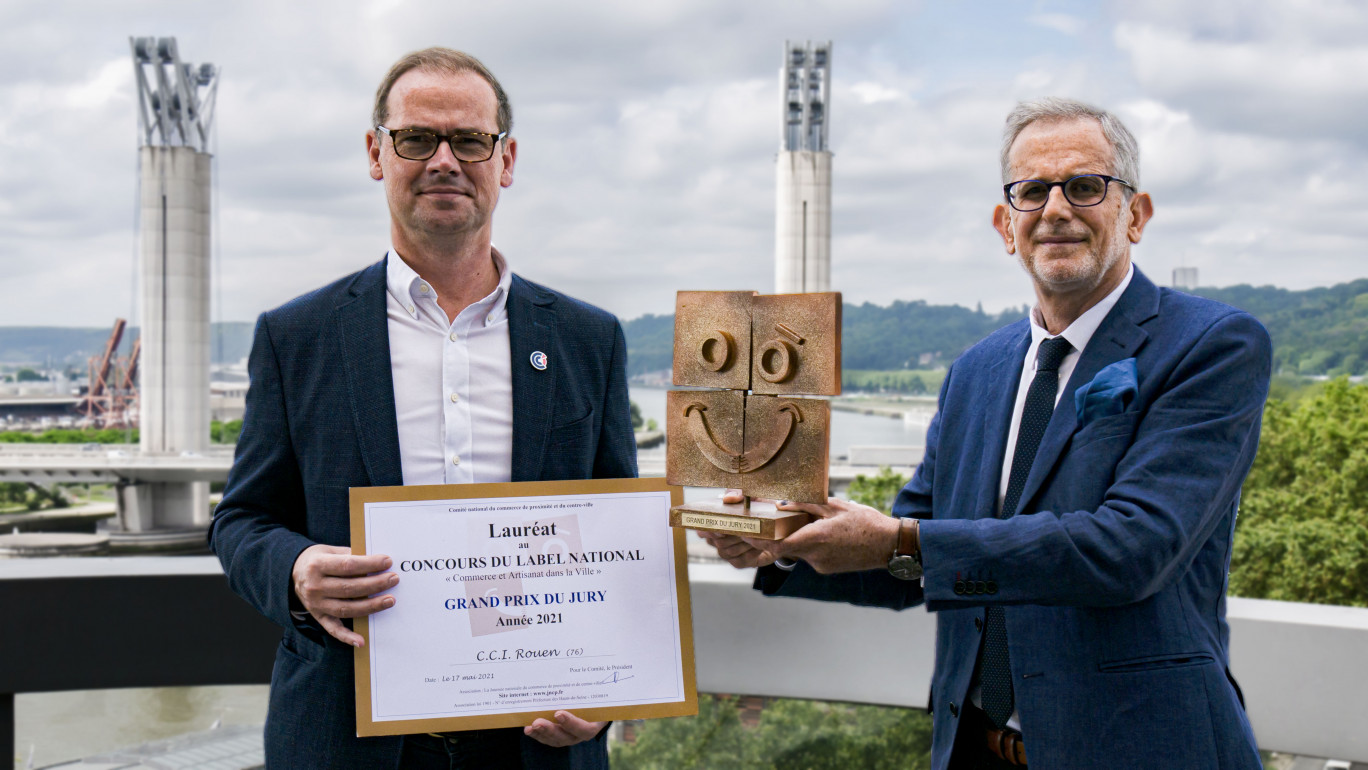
(648, 132)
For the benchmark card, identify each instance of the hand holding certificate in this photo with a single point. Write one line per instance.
(518, 600)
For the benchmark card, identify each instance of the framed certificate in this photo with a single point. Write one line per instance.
(517, 600)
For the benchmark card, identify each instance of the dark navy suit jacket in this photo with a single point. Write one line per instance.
(321, 418)
(1112, 574)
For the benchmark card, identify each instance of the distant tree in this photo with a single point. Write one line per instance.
(1302, 533)
(28, 375)
(636, 415)
(13, 493)
(879, 490)
(225, 432)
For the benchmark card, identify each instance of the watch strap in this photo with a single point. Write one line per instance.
(909, 538)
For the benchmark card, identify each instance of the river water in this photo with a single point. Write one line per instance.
(59, 727)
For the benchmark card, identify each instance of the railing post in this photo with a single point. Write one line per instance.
(7, 727)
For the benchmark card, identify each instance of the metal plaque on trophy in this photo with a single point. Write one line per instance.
(747, 360)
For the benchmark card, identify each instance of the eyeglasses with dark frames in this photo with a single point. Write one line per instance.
(1083, 190)
(421, 144)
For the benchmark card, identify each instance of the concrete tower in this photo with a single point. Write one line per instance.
(802, 247)
(175, 120)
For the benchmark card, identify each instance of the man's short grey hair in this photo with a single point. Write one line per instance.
(1125, 151)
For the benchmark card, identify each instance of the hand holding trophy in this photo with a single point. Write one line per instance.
(749, 431)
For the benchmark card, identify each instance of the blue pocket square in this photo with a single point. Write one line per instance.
(1109, 393)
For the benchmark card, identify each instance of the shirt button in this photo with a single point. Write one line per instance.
(422, 287)
(455, 337)
(455, 398)
(410, 308)
(455, 459)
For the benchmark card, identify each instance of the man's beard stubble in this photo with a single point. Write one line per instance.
(1076, 276)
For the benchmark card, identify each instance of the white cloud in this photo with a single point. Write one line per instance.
(648, 131)
(873, 93)
(1284, 84)
(1060, 22)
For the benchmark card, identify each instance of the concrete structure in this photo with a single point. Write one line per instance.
(175, 120)
(1185, 278)
(802, 245)
(1301, 665)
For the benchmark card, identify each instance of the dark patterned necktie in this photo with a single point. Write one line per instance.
(995, 677)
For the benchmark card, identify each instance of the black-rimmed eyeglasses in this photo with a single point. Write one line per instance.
(421, 144)
(1083, 190)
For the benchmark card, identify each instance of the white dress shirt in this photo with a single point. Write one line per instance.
(453, 380)
(1078, 334)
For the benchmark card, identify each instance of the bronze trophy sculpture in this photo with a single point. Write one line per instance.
(750, 431)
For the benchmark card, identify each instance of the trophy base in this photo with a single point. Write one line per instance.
(761, 521)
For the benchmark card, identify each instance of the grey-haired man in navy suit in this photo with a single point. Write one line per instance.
(1072, 519)
(436, 365)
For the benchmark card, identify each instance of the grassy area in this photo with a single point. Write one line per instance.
(912, 382)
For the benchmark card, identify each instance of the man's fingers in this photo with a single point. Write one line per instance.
(351, 608)
(567, 730)
(352, 588)
(340, 632)
(732, 550)
(352, 565)
(718, 539)
(577, 727)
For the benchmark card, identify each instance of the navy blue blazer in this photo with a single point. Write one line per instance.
(1112, 575)
(321, 418)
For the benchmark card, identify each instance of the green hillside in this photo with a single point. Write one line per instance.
(1317, 331)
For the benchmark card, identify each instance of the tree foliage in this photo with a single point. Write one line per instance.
(225, 432)
(877, 491)
(1317, 331)
(1303, 528)
(812, 735)
(219, 433)
(71, 436)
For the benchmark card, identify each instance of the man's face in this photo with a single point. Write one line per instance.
(1069, 249)
(441, 196)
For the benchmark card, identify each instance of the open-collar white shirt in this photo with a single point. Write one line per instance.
(453, 380)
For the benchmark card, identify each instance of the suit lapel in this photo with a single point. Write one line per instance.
(1119, 337)
(364, 331)
(1005, 376)
(532, 329)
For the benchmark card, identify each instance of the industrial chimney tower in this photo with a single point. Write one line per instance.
(802, 249)
(175, 122)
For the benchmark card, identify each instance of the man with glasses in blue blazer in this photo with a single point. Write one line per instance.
(436, 365)
(1072, 519)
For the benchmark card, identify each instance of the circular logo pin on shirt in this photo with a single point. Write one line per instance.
(539, 361)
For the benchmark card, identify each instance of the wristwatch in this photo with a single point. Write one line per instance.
(906, 563)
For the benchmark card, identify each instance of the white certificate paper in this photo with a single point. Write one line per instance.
(516, 600)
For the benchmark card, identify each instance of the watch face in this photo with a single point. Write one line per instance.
(904, 568)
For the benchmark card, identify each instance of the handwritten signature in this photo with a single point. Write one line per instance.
(615, 678)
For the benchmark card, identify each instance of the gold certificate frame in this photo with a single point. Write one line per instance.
(584, 545)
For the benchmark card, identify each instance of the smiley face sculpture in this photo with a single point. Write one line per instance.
(756, 354)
